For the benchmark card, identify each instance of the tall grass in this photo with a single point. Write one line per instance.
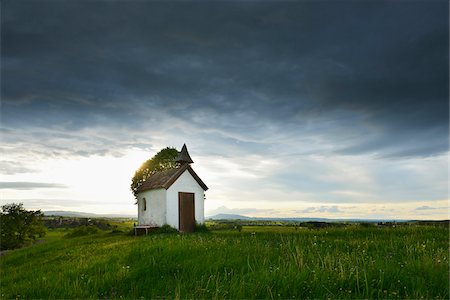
(351, 262)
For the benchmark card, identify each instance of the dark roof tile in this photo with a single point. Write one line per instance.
(164, 179)
(183, 156)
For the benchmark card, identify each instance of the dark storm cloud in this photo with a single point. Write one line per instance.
(376, 71)
(53, 143)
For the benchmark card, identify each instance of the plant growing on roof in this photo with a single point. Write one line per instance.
(165, 159)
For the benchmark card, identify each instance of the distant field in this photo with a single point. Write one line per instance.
(258, 262)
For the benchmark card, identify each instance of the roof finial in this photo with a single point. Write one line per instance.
(183, 156)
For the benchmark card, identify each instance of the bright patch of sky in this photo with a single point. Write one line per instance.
(331, 187)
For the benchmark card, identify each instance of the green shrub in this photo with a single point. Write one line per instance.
(19, 226)
(165, 229)
(366, 224)
(201, 227)
(82, 231)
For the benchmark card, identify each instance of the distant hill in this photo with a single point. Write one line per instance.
(77, 214)
(229, 217)
(240, 217)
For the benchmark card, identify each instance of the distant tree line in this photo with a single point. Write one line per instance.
(72, 222)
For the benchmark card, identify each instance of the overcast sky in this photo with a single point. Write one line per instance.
(288, 108)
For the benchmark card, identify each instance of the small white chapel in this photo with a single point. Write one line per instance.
(174, 197)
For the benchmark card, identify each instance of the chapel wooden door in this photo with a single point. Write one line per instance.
(186, 211)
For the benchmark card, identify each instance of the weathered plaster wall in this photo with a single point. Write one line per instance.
(156, 207)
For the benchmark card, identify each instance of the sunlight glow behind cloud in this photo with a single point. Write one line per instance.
(328, 114)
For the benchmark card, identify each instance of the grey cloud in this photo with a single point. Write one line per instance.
(44, 143)
(406, 181)
(425, 207)
(391, 147)
(53, 204)
(285, 65)
(239, 211)
(322, 209)
(48, 203)
(17, 185)
(11, 168)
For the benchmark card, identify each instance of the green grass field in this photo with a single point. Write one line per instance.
(258, 262)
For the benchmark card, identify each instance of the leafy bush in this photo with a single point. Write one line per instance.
(201, 227)
(82, 231)
(218, 225)
(163, 160)
(19, 226)
(165, 229)
(366, 224)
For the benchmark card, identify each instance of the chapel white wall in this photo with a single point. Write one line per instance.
(155, 214)
(186, 184)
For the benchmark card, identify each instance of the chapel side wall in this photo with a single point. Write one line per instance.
(187, 184)
(155, 214)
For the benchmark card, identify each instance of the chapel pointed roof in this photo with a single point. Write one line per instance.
(164, 179)
(183, 156)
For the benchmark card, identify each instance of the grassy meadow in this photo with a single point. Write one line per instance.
(257, 262)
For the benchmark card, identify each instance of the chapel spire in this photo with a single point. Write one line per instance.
(183, 156)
